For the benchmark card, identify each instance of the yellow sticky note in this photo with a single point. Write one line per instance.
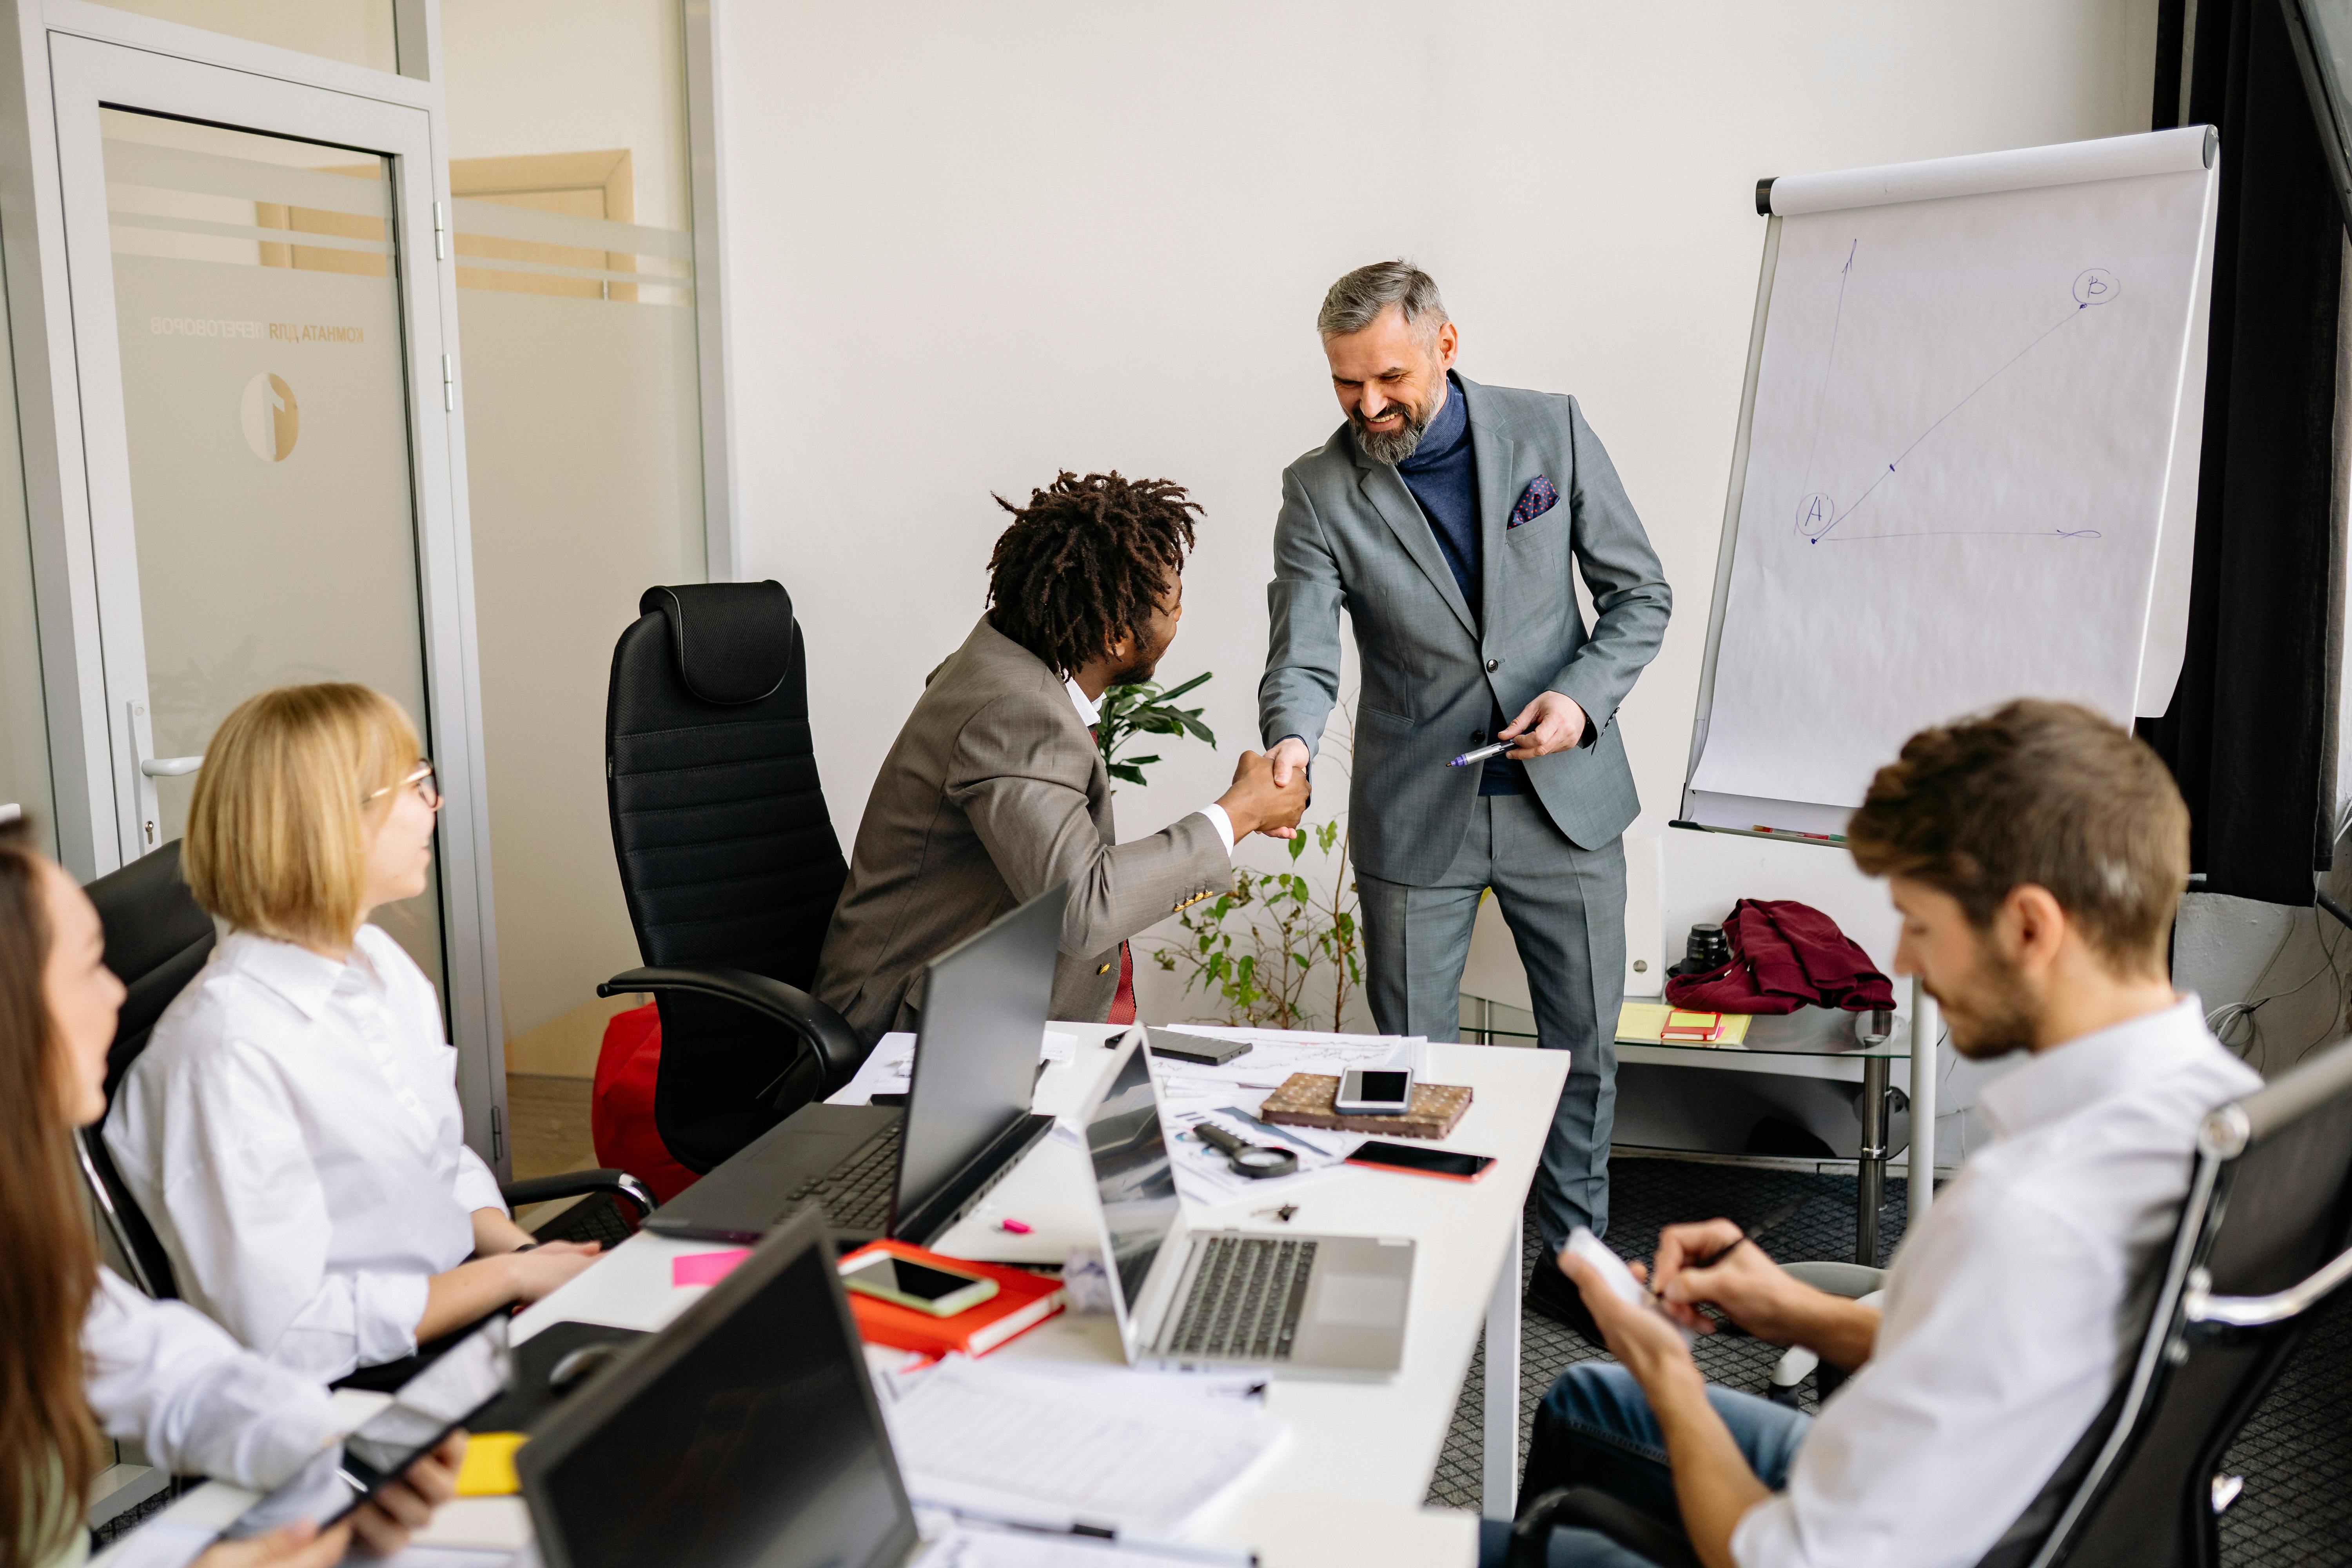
(489, 1466)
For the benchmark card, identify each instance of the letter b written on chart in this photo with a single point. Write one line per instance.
(2095, 286)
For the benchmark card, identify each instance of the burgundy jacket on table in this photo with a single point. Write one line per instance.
(1784, 955)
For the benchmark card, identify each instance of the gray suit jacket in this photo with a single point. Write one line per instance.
(1351, 535)
(994, 792)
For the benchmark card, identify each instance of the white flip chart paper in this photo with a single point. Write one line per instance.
(1962, 429)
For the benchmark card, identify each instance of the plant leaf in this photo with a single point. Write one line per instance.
(1175, 692)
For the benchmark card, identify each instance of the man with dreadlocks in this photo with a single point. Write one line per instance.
(1447, 517)
(995, 790)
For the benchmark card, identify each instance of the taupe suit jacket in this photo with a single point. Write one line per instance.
(994, 792)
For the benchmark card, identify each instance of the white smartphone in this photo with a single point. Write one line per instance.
(1375, 1091)
(941, 1292)
(1620, 1278)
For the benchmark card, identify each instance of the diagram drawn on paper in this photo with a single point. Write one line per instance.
(1823, 517)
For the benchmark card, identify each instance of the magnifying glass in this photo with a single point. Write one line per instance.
(1253, 1160)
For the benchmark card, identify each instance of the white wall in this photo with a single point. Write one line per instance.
(971, 245)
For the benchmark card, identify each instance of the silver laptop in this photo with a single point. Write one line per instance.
(1324, 1306)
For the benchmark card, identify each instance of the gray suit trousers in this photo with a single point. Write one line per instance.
(1565, 908)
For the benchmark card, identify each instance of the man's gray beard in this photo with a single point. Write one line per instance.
(1392, 448)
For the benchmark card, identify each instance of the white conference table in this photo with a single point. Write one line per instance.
(1350, 1484)
(1358, 1451)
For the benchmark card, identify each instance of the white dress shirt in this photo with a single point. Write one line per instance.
(292, 1133)
(2006, 1318)
(1090, 714)
(161, 1375)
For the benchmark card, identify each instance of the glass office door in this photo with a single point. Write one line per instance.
(265, 415)
(262, 357)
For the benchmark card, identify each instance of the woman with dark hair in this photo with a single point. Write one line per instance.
(81, 1351)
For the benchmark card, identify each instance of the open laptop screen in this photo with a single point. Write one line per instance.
(983, 1017)
(1132, 1171)
(746, 1436)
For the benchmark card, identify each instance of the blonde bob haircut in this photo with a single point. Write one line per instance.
(277, 840)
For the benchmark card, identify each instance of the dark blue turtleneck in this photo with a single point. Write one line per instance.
(1443, 475)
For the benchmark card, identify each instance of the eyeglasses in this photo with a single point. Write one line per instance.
(428, 790)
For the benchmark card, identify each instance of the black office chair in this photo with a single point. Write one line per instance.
(157, 938)
(2260, 1244)
(729, 861)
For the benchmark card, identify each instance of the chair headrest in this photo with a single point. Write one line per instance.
(733, 641)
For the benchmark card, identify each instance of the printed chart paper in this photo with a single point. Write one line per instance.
(1961, 436)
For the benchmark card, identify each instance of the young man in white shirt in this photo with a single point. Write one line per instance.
(2036, 855)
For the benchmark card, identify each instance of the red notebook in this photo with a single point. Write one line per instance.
(1704, 1028)
(1022, 1300)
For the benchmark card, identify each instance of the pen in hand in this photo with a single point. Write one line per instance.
(1769, 1222)
(1482, 753)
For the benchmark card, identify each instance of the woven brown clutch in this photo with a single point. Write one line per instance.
(1307, 1100)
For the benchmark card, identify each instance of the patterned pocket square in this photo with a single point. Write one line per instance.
(1534, 501)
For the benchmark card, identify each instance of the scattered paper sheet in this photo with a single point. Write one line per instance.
(1230, 1095)
(1210, 1385)
(984, 1440)
(975, 1546)
(889, 1068)
(1205, 1174)
(885, 1070)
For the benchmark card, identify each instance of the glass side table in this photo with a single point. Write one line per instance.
(1813, 1042)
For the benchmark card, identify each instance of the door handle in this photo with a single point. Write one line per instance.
(150, 768)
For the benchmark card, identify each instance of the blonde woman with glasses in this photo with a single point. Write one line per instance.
(292, 1130)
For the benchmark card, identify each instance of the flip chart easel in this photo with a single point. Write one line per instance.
(1965, 470)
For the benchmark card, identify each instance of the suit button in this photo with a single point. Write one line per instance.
(1477, 737)
(1493, 665)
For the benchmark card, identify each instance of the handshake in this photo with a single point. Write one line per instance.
(1265, 798)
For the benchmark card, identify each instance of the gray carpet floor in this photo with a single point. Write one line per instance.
(2295, 1452)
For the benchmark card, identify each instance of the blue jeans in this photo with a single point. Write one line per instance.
(1595, 1429)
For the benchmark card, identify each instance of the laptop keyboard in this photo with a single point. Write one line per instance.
(596, 1218)
(1245, 1300)
(856, 1194)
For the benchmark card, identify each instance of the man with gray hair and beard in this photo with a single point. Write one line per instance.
(1444, 516)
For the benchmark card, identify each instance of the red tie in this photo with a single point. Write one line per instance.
(1122, 1006)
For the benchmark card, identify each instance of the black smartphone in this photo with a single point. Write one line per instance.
(1450, 1163)
(941, 1292)
(428, 1407)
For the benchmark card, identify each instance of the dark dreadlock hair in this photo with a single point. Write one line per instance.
(1086, 563)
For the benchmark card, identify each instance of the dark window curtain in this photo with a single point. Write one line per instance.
(2250, 734)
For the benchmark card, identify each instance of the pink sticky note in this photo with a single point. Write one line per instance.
(706, 1268)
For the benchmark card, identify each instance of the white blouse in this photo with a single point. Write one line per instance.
(165, 1376)
(292, 1133)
